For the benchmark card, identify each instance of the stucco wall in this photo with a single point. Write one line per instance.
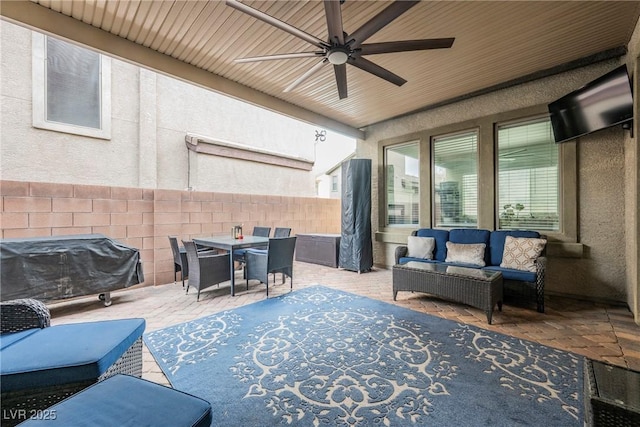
(40, 155)
(151, 115)
(600, 274)
(185, 108)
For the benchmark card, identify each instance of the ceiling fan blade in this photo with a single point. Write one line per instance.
(280, 56)
(305, 76)
(379, 21)
(377, 70)
(334, 21)
(405, 46)
(277, 23)
(341, 79)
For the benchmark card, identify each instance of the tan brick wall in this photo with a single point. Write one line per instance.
(144, 218)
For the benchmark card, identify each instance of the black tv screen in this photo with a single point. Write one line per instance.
(604, 102)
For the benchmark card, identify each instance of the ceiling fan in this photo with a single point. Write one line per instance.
(342, 48)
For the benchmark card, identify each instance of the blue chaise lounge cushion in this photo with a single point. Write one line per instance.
(123, 400)
(7, 340)
(65, 354)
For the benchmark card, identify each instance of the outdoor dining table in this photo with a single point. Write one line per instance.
(230, 244)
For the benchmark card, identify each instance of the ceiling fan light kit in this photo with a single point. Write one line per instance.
(342, 48)
(338, 55)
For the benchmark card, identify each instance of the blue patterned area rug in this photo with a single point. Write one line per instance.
(321, 357)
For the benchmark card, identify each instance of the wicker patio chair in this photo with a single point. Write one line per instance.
(238, 255)
(281, 232)
(277, 259)
(180, 263)
(207, 269)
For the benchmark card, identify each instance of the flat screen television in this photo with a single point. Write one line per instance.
(604, 102)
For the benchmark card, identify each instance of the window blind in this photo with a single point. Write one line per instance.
(73, 84)
(403, 184)
(456, 180)
(528, 178)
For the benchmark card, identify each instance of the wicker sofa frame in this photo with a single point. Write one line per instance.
(23, 314)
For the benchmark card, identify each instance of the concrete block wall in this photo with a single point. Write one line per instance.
(144, 218)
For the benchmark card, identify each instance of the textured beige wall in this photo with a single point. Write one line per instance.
(600, 274)
(151, 115)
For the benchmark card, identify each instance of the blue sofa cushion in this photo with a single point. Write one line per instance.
(472, 235)
(123, 400)
(441, 237)
(65, 354)
(511, 274)
(498, 238)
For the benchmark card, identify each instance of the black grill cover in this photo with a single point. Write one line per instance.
(50, 268)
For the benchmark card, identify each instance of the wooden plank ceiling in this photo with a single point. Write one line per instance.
(495, 42)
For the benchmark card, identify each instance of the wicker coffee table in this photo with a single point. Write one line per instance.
(477, 288)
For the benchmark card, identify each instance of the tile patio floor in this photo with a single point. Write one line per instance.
(598, 331)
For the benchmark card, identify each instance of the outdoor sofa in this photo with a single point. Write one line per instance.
(522, 265)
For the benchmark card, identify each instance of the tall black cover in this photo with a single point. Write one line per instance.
(356, 248)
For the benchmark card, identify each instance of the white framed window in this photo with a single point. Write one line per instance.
(71, 88)
(528, 176)
(334, 183)
(402, 168)
(455, 180)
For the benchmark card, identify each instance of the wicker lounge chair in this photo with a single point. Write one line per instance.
(42, 364)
